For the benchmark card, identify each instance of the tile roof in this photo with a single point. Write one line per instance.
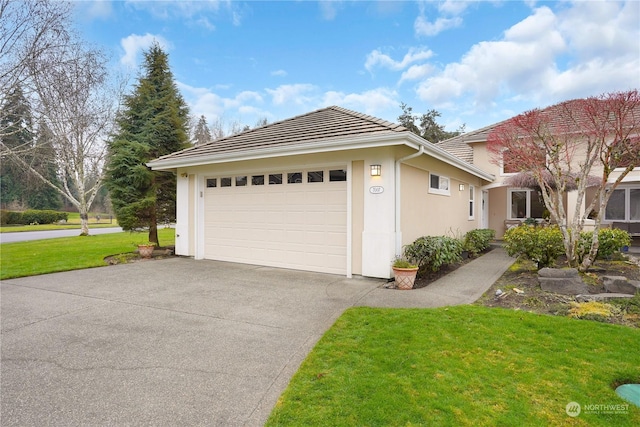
(459, 145)
(330, 123)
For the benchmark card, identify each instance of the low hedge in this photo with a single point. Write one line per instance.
(476, 241)
(31, 216)
(433, 252)
(542, 245)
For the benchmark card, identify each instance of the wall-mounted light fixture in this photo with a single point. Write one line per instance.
(184, 174)
(376, 170)
(461, 187)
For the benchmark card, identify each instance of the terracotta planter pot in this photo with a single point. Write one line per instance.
(146, 251)
(405, 277)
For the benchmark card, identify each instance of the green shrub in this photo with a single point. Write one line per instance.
(542, 245)
(32, 217)
(610, 240)
(433, 252)
(476, 241)
(10, 217)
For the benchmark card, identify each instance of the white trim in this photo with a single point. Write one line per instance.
(472, 201)
(349, 219)
(322, 146)
(199, 217)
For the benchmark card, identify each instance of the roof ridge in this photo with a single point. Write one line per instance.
(392, 126)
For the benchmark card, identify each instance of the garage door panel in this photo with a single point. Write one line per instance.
(300, 226)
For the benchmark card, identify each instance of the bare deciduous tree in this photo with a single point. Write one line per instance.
(564, 147)
(28, 29)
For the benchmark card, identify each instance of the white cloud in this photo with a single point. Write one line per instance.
(279, 73)
(134, 44)
(329, 9)
(585, 48)
(377, 58)
(100, 9)
(197, 12)
(371, 102)
(423, 27)
(416, 72)
(203, 101)
(300, 93)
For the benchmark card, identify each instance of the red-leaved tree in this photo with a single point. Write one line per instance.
(570, 146)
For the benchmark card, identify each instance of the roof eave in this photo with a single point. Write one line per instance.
(339, 144)
(322, 146)
(446, 157)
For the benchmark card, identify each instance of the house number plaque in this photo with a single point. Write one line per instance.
(376, 190)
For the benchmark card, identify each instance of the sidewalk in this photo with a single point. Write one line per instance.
(463, 286)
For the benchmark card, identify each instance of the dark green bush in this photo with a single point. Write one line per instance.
(32, 217)
(610, 240)
(433, 252)
(476, 241)
(542, 245)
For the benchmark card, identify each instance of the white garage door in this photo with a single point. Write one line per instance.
(292, 220)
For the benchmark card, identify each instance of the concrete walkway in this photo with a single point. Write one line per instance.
(463, 286)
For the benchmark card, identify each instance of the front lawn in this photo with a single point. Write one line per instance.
(464, 365)
(21, 259)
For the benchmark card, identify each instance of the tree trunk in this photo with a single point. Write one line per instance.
(84, 223)
(153, 229)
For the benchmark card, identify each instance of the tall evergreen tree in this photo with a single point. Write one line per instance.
(17, 124)
(201, 134)
(153, 123)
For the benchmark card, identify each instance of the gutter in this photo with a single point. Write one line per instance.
(398, 231)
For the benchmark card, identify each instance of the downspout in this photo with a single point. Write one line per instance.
(398, 198)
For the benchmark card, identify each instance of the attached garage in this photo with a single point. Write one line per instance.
(317, 192)
(295, 219)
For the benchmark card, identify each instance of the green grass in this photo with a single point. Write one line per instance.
(460, 366)
(73, 222)
(70, 253)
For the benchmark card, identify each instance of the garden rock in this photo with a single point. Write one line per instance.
(565, 281)
(620, 284)
(601, 297)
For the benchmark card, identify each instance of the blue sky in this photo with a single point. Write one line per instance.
(476, 62)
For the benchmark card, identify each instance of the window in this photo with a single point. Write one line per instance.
(525, 204)
(471, 202)
(624, 205)
(225, 182)
(438, 184)
(294, 178)
(315, 176)
(241, 181)
(275, 178)
(212, 182)
(338, 175)
(257, 180)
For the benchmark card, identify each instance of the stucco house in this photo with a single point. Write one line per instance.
(330, 191)
(508, 206)
(341, 192)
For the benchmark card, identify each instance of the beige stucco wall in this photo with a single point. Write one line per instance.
(424, 213)
(498, 210)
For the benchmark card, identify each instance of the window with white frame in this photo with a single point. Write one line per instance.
(525, 203)
(623, 205)
(439, 184)
(472, 202)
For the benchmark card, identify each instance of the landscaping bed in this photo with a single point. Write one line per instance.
(523, 276)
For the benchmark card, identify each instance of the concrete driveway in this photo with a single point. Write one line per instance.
(170, 342)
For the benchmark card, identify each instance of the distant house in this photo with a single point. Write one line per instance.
(330, 191)
(341, 192)
(508, 206)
